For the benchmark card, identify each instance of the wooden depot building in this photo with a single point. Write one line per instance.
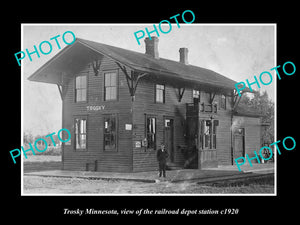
(119, 105)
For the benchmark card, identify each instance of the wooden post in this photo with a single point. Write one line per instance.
(60, 91)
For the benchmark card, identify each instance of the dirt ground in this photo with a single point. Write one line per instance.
(59, 185)
(54, 185)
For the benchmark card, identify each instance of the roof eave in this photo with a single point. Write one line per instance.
(171, 75)
(33, 77)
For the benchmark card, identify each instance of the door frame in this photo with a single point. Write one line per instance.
(243, 138)
(171, 158)
(207, 157)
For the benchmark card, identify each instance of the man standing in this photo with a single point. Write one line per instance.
(162, 156)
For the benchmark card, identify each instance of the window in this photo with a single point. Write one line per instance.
(223, 102)
(160, 93)
(239, 131)
(110, 132)
(80, 88)
(151, 132)
(110, 86)
(196, 96)
(80, 133)
(214, 133)
(208, 134)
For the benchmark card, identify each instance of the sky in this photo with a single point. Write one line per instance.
(237, 51)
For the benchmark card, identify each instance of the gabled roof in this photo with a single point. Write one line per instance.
(77, 53)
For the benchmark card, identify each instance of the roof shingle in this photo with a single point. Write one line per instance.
(144, 63)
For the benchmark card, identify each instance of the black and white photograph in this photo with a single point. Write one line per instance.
(149, 110)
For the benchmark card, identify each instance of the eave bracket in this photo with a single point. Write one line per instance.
(132, 79)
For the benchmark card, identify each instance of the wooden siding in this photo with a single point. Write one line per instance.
(223, 134)
(128, 157)
(208, 158)
(120, 160)
(252, 133)
(144, 104)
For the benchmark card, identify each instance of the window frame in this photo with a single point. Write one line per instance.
(86, 88)
(75, 134)
(116, 132)
(207, 137)
(223, 102)
(212, 135)
(147, 116)
(163, 93)
(117, 85)
(196, 96)
(215, 124)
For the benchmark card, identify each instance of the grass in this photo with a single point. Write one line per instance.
(51, 150)
(41, 162)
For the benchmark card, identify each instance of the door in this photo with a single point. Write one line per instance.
(239, 143)
(169, 137)
(207, 143)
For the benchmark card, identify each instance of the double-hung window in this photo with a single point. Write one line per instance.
(223, 102)
(151, 132)
(80, 88)
(208, 134)
(110, 86)
(110, 132)
(160, 93)
(80, 134)
(196, 96)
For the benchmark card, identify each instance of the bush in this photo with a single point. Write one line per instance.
(51, 150)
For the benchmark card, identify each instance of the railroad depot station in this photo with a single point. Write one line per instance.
(120, 105)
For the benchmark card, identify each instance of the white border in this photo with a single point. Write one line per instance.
(22, 118)
(142, 24)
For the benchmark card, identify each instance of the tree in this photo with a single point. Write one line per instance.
(28, 137)
(261, 104)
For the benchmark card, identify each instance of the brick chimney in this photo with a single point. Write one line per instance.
(152, 46)
(183, 54)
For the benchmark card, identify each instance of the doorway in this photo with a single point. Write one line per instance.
(169, 137)
(239, 143)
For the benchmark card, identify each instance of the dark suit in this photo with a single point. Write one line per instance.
(162, 156)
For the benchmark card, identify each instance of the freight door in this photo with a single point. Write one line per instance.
(239, 143)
